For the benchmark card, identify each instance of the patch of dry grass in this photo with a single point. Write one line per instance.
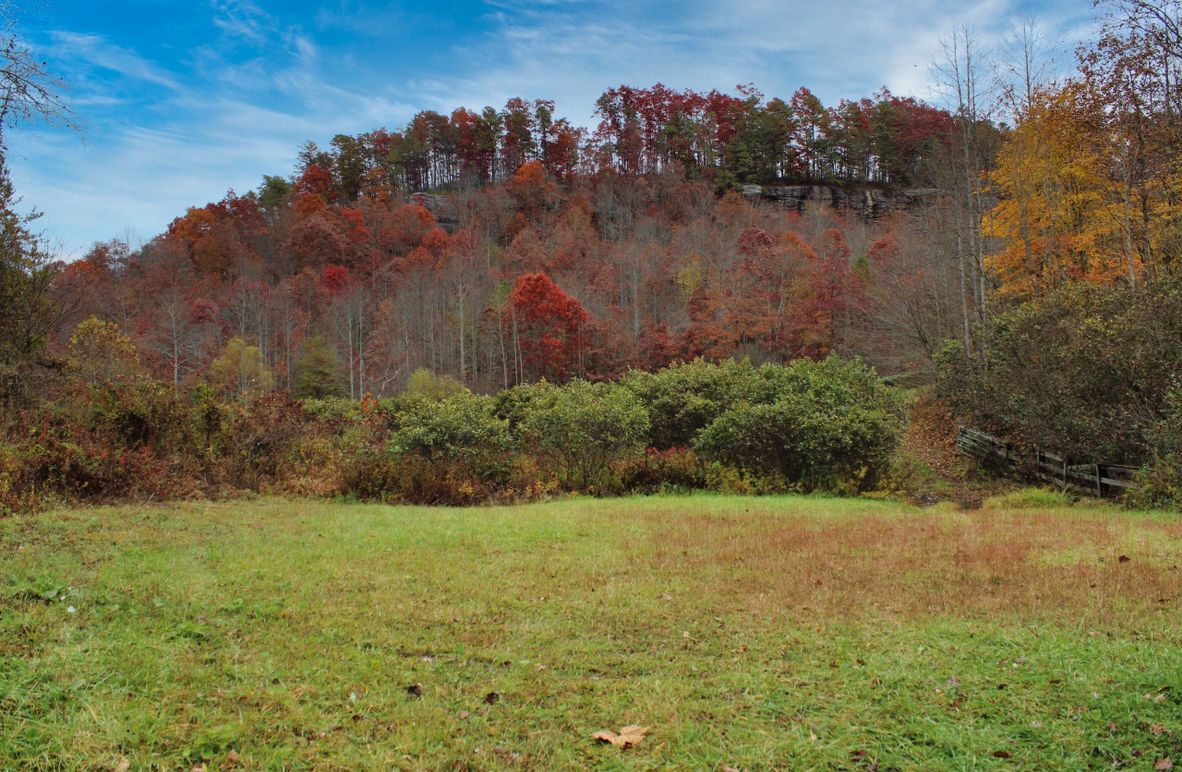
(1086, 568)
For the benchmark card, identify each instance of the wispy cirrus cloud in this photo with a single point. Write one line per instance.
(241, 19)
(96, 51)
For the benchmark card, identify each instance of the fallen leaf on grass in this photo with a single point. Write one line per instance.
(629, 736)
(492, 698)
(1123, 559)
(1163, 764)
(415, 690)
(1002, 755)
(123, 765)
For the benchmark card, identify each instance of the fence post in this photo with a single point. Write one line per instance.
(1099, 481)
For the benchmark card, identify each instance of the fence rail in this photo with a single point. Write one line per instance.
(1095, 479)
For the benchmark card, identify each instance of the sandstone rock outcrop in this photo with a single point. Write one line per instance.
(868, 202)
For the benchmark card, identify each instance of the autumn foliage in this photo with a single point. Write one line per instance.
(550, 323)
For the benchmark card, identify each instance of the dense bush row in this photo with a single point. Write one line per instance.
(1092, 372)
(111, 432)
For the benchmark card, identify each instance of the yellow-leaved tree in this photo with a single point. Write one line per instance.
(240, 370)
(1054, 213)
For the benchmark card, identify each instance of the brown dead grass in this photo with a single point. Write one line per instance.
(1065, 568)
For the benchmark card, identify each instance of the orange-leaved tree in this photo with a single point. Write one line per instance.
(1052, 214)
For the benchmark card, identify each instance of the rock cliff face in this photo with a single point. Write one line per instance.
(440, 207)
(867, 202)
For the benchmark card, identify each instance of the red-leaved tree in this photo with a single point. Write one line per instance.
(548, 326)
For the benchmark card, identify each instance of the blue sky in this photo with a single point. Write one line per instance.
(181, 101)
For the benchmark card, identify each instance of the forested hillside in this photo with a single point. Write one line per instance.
(507, 245)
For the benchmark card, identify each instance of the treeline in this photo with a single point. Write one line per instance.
(728, 139)
(551, 253)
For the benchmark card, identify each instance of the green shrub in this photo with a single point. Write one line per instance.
(579, 430)
(1159, 484)
(756, 429)
(1084, 370)
(683, 399)
(833, 426)
(514, 404)
(454, 450)
(461, 429)
(425, 384)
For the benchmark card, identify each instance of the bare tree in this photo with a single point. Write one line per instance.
(1026, 65)
(959, 75)
(27, 91)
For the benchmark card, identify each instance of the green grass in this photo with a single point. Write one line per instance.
(1029, 498)
(789, 632)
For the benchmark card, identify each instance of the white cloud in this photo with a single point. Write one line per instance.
(839, 50)
(241, 19)
(97, 51)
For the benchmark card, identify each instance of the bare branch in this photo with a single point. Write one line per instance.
(27, 91)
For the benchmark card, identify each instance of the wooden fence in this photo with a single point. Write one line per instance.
(1095, 479)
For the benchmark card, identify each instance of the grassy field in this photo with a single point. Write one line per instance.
(746, 633)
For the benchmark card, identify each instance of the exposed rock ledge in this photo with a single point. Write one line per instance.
(869, 202)
(439, 205)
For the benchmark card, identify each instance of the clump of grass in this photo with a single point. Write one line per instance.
(1029, 498)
